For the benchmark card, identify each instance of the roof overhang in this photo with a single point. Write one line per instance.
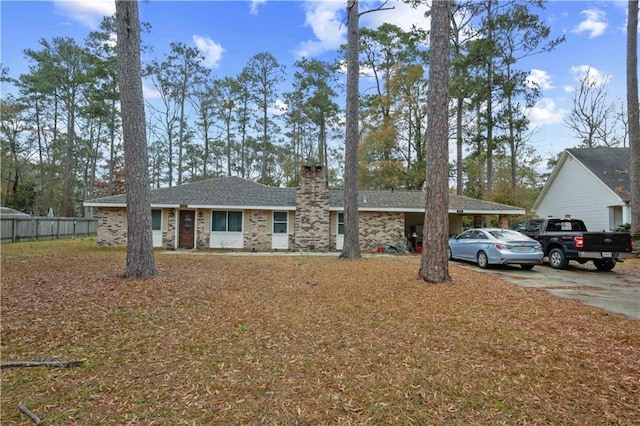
(292, 208)
(422, 210)
(240, 207)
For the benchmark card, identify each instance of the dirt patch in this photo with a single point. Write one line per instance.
(301, 340)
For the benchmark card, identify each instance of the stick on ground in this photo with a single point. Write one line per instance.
(33, 416)
(41, 363)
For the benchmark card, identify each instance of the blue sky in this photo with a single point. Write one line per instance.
(230, 32)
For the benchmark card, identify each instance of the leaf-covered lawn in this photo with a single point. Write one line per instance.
(301, 340)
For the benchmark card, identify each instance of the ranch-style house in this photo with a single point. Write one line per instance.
(238, 214)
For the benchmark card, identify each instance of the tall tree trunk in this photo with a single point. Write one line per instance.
(459, 142)
(490, 106)
(634, 119)
(112, 149)
(351, 248)
(67, 207)
(265, 135)
(140, 257)
(434, 264)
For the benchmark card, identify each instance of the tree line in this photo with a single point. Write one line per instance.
(61, 129)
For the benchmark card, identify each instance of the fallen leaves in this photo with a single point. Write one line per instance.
(315, 340)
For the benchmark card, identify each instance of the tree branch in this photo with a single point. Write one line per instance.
(381, 7)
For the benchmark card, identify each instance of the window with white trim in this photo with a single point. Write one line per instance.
(340, 223)
(279, 222)
(226, 221)
(156, 220)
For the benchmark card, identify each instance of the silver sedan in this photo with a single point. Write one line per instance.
(496, 246)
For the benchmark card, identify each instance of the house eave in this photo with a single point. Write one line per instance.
(241, 207)
(422, 210)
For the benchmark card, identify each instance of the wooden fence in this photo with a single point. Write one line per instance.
(13, 229)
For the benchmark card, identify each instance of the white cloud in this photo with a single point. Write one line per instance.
(595, 77)
(149, 92)
(88, 12)
(594, 23)
(211, 51)
(279, 108)
(253, 8)
(402, 15)
(325, 20)
(540, 79)
(545, 112)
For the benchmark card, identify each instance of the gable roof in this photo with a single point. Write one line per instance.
(236, 192)
(609, 165)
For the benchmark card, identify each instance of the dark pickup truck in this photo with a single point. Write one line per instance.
(567, 239)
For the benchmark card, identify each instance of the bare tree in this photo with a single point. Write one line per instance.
(140, 257)
(434, 265)
(632, 110)
(593, 117)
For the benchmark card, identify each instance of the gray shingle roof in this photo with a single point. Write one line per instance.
(610, 165)
(225, 191)
(415, 201)
(238, 192)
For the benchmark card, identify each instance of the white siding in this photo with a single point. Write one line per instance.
(577, 192)
(280, 241)
(157, 238)
(226, 240)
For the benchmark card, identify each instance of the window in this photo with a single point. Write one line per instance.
(340, 223)
(279, 222)
(226, 221)
(465, 235)
(535, 225)
(156, 220)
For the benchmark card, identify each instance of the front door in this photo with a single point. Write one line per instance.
(186, 234)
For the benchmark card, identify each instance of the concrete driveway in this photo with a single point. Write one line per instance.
(616, 291)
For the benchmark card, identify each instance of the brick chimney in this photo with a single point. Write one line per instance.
(312, 221)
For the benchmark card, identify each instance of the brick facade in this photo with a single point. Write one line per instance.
(312, 219)
(258, 236)
(112, 227)
(311, 226)
(381, 229)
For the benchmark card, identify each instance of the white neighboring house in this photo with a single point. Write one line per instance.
(591, 184)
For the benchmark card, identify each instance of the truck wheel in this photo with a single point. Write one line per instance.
(557, 259)
(483, 260)
(604, 265)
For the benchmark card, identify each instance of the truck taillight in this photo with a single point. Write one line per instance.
(579, 242)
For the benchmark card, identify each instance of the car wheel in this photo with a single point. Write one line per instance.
(557, 259)
(604, 265)
(483, 260)
(527, 267)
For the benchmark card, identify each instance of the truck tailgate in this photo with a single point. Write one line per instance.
(607, 242)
